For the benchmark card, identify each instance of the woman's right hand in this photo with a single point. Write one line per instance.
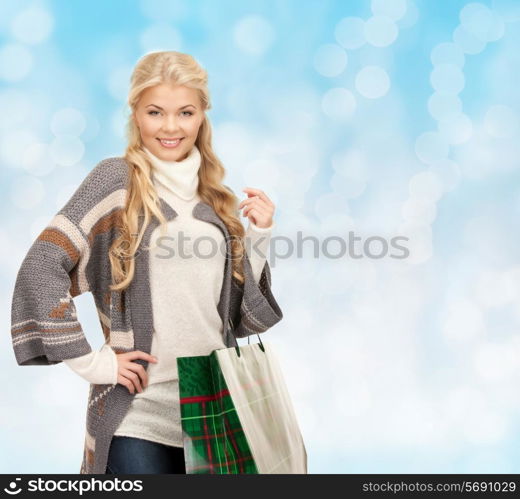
(131, 374)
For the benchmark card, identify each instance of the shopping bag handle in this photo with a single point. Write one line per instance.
(260, 340)
(237, 348)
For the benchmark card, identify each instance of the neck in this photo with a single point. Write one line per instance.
(180, 177)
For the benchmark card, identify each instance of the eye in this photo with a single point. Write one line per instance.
(189, 112)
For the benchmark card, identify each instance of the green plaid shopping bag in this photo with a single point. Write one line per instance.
(213, 438)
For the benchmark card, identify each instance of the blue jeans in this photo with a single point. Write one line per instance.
(129, 455)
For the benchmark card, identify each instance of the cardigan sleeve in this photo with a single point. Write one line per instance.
(258, 310)
(44, 325)
(45, 328)
(253, 308)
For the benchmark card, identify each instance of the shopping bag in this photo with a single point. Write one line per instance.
(255, 382)
(236, 413)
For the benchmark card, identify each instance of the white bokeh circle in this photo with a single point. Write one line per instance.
(501, 121)
(66, 150)
(431, 147)
(411, 16)
(13, 145)
(380, 31)
(467, 41)
(339, 103)
(457, 130)
(393, 9)
(68, 121)
(254, 34)
(444, 106)
(27, 192)
(16, 61)
(349, 32)
(330, 60)
(32, 25)
(447, 79)
(481, 22)
(36, 159)
(372, 82)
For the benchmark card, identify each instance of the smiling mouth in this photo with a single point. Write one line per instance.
(171, 143)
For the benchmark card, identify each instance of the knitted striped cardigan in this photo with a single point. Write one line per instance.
(70, 257)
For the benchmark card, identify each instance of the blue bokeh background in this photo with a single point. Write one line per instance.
(374, 119)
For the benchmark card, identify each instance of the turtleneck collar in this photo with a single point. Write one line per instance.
(180, 177)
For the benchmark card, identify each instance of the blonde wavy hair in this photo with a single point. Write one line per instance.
(174, 68)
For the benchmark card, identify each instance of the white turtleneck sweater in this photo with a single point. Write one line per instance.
(185, 282)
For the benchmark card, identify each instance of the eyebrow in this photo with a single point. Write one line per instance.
(187, 105)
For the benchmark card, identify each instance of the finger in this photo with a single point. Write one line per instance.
(137, 383)
(263, 205)
(134, 354)
(256, 217)
(262, 211)
(134, 378)
(245, 202)
(144, 376)
(258, 200)
(259, 193)
(139, 371)
(122, 380)
(139, 354)
(134, 366)
(129, 385)
(147, 356)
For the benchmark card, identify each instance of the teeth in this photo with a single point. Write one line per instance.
(170, 142)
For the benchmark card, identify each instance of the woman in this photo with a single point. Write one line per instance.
(125, 235)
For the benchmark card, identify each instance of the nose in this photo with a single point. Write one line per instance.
(170, 126)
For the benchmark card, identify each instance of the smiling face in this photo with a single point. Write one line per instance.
(168, 112)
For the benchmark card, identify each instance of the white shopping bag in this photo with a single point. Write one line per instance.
(257, 387)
